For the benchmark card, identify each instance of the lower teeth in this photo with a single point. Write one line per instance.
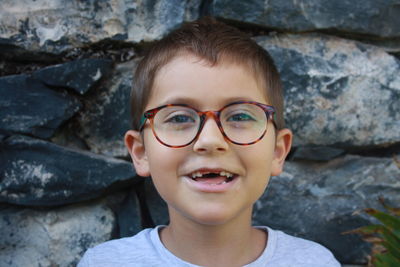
(224, 182)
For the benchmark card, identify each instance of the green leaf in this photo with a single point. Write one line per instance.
(392, 244)
(386, 260)
(389, 221)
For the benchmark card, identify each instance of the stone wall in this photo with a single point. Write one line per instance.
(66, 182)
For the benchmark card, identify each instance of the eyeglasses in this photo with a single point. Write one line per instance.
(178, 125)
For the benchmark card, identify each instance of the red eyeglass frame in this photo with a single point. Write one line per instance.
(149, 115)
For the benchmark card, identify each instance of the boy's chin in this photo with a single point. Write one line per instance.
(211, 221)
(213, 217)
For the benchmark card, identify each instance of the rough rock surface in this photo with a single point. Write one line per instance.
(379, 18)
(157, 206)
(317, 201)
(317, 153)
(36, 172)
(150, 201)
(56, 237)
(106, 116)
(27, 106)
(79, 75)
(128, 215)
(56, 25)
(337, 92)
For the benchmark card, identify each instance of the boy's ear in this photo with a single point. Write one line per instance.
(282, 148)
(135, 145)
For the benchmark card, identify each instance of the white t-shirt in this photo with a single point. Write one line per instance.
(146, 249)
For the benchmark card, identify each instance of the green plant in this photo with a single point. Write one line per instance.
(384, 237)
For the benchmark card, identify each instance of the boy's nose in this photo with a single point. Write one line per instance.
(210, 138)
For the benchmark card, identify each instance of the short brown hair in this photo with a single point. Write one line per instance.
(214, 42)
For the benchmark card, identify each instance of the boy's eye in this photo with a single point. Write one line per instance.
(241, 117)
(180, 119)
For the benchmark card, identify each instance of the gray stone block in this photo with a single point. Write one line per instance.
(106, 116)
(317, 153)
(145, 203)
(27, 106)
(57, 237)
(39, 173)
(56, 26)
(337, 92)
(79, 75)
(157, 206)
(317, 201)
(369, 17)
(128, 216)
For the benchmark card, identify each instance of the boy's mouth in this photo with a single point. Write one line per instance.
(212, 177)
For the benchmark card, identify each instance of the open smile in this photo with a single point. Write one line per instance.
(207, 180)
(212, 177)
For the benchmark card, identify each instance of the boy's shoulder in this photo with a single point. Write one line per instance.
(287, 250)
(123, 252)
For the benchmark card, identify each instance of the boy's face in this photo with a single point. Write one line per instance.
(188, 80)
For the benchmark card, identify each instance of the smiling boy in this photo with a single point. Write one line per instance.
(208, 128)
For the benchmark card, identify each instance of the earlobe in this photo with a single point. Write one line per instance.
(282, 148)
(135, 145)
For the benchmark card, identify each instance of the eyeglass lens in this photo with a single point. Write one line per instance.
(178, 125)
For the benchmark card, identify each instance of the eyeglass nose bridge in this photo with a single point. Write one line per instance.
(204, 116)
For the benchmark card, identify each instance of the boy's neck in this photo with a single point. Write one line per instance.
(235, 243)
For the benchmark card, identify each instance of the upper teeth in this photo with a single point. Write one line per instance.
(222, 173)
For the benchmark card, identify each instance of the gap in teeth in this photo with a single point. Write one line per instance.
(222, 173)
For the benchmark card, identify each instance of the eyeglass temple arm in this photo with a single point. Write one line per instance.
(271, 113)
(142, 122)
(147, 115)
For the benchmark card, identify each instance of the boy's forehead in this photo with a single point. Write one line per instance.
(225, 70)
(187, 58)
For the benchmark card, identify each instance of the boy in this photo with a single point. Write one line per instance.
(208, 124)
